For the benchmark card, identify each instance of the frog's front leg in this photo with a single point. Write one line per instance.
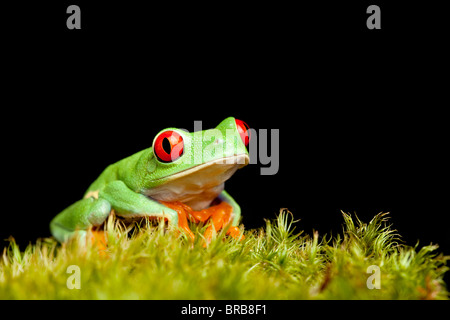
(128, 203)
(235, 212)
(236, 215)
(184, 211)
(225, 214)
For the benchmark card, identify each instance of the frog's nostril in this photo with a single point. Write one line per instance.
(218, 141)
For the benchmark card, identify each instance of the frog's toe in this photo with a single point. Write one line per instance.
(235, 233)
(98, 238)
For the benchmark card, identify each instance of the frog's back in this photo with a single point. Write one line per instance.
(129, 170)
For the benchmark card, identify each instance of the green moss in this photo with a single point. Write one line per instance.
(274, 262)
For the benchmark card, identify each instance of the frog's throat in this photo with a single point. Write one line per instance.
(200, 185)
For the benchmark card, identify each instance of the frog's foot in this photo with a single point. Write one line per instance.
(235, 233)
(98, 238)
(202, 215)
(221, 216)
(183, 212)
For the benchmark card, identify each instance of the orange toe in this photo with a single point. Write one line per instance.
(235, 233)
(183, 212)
(98, 238)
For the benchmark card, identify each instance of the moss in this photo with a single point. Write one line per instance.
(273, 262)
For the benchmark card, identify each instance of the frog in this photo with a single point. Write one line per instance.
(180, 178)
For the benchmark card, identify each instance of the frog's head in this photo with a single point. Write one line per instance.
(192, 167)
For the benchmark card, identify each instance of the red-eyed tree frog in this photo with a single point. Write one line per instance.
(180, 177)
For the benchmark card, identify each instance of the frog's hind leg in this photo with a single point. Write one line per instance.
(79, 217)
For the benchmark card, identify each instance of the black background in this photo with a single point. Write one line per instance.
(360, 112)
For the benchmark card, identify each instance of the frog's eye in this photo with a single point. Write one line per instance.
(168, 146)
(243, 130)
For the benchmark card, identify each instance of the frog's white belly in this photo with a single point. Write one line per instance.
(198, 186)
(197, 199)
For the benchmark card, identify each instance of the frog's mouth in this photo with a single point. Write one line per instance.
(200, 185)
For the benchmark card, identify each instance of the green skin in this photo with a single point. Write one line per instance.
(134, 185)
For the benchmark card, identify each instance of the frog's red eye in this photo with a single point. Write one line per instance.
(168, 146)
(243, 130)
